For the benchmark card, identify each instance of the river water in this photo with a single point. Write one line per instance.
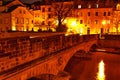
(98, 66)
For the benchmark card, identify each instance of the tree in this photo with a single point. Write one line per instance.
(61, 11)
(62, 28)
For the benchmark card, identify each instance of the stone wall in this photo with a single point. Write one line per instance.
(24, 57)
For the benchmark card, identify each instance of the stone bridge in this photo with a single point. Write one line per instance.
(51, 64)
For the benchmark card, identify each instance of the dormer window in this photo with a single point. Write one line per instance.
(89, 6)
(118, 7)
(79, 6)
(97, 5)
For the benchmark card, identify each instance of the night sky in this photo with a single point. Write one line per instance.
(29, 1)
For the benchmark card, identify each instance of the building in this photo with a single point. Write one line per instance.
(84, 17)
(16, 17)
(97, 20)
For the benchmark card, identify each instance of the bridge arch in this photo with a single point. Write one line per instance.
(93, 47)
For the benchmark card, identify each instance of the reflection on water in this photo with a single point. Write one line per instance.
(100, 74)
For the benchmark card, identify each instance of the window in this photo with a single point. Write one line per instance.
(88, 13)
(43, 9)
(49, 15)
(97, 5)
(79, 6)
(104, 13)
(16, 20)
(108, 13)
(20, 11)
(49, 9)
(27, 21)
(81, 21)
(108, 21)
(96, 14)
(88, 22)
(43, 23)
(24, 12)
(89, 6)
(96, 21)
(22, 20)
(0, 21)
(43, 16)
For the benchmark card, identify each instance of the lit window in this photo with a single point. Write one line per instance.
(108, 21)
(88, 21)
(89, 6)
(97, 5)
(16, 20)
(96, 21)
(118, 6)
(79, 6)
(43, 16)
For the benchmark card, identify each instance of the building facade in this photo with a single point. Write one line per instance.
(85, 16)
(16, 18)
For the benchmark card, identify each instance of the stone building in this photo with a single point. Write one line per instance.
(16, 17)
(87, 16)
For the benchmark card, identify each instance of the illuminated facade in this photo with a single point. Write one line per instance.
(42, 17)
(86, 17)
(94, 19)
(16, 18)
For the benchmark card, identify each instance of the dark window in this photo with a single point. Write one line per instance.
(81, 21)
(108, 13)
(31, 22)
(43, 23)
(96, 21)
(43, 9)
(49, 15)
(0, 21)
(20, 11)
(49, 9)
(88, 13)
(104, 14)
(96, 14)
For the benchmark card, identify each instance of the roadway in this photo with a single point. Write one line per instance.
(87, 68)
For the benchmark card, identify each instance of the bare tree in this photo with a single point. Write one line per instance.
(61, 11)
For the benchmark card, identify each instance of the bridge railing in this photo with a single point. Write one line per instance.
(111, 36)
(18, 51)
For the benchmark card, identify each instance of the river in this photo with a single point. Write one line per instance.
(98, 66)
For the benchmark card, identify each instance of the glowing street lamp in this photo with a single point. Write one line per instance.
(103, 22)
